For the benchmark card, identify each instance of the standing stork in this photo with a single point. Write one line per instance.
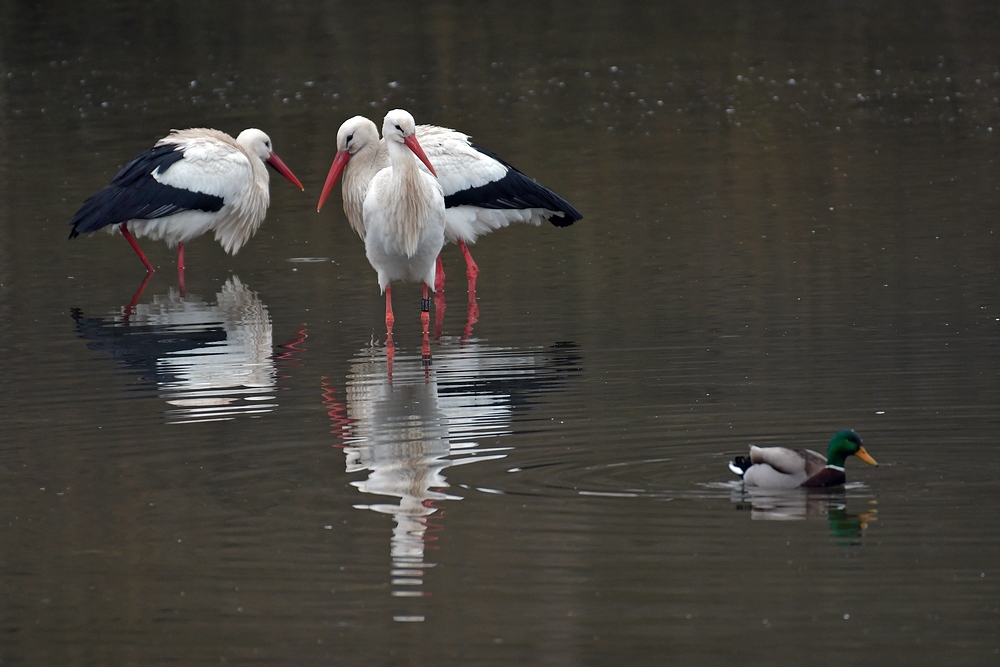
(482, 193)
(191, 182)
(403, 217)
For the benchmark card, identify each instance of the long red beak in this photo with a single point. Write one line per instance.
(412, 143)
(339, 162)
(280, 167)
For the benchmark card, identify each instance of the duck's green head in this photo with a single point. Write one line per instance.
(847, 443)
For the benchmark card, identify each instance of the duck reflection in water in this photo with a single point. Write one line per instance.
(405, 432)
(802, 504)
(208, 361)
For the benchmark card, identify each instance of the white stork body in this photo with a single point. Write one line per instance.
(191, 182)
(403, 215)
(482, 192)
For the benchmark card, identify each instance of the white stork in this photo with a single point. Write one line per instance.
(403, 216)
(481, 191)
(191, 182)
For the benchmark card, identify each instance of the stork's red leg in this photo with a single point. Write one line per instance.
(135, 246)
(438, 297)
(439, 275)
(471, 268)
(390, 319)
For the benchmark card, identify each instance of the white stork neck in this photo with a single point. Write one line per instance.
(401, 156)
(405, 168)
(410, 199)
(358, 174)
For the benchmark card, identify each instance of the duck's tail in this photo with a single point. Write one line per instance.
(740, 465)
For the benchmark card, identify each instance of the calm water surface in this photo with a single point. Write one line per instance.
(789, 228)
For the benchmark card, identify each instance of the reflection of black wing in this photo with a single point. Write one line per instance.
(523, 383)
(137, 348)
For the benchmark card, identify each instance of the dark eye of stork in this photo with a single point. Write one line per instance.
(399, 128)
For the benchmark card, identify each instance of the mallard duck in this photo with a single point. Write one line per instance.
(783, 468)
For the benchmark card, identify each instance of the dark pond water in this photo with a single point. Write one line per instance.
(790, 227)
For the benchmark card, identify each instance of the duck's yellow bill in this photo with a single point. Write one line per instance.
(866, 457)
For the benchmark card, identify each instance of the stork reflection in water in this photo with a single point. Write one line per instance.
(208, 361)
(405, 433)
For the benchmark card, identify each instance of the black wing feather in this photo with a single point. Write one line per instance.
(134, 194)
(515, 191)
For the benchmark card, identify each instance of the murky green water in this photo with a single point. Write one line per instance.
(790, 228)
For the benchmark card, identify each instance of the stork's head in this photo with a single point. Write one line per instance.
(399, 127)
(256, 143)
(354, 134)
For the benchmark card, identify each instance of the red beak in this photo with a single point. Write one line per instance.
(339, 162)
(280, 167)
(412, 143)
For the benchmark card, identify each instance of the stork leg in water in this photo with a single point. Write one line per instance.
(472, 311)
(390, 319)
(471, 268)
(130, 308)
(438, 275)
(135, 246)
(439, 304)
(471, 272)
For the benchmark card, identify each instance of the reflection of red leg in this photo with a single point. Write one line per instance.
(130, 308)
(390, 352)
(471, 269)
(439, 275)
(135, 246)
(439, 307)
(472, 314)
(390, 319)
(290, 349)
(340, 423)
(425, 318)
(180, 269)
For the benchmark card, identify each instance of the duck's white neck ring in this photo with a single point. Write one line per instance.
(840, 468)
